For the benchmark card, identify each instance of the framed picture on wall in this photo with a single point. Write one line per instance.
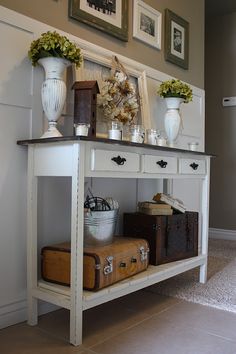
(110, 16)
(146, 24)
(176, 39)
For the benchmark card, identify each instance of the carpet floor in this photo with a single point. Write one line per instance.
(220, 289)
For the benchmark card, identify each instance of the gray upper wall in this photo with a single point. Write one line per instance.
(55, 13)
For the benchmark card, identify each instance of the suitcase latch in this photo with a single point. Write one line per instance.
(143, 254)
(109, 267)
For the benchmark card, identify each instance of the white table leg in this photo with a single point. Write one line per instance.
(32, 267)
(77, 226)
(205, 223)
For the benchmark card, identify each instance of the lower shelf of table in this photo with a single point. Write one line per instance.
(61, 295)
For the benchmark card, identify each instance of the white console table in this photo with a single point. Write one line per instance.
(80, 157)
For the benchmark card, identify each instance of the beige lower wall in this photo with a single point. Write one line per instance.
(221, 121)
(55, 13)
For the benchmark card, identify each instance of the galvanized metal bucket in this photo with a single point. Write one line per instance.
(99, 227)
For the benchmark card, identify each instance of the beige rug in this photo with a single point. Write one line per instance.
(220, 289)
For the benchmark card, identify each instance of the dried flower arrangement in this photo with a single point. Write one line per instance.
(118, 97)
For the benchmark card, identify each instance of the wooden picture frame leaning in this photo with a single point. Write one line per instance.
(176, 39)
(110, 16)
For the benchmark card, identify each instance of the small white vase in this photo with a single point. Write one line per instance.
(53, 92)
(172, 118)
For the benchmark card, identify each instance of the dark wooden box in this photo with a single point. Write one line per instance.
(170, 237)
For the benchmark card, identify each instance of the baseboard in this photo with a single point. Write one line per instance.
(222, 234)
(13, 313)
(16, 312)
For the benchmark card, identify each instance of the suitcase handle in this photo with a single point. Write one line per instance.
(162, 163)
(119, 160)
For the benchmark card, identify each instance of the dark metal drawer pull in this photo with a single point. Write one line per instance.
(122, 264)
(194, 166)
(162, 163)
(119, 160)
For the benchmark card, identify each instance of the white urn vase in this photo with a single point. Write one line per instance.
(172, 118)
(53, 92)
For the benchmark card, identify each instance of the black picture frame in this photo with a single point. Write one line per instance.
(110, 17)
(176, 39)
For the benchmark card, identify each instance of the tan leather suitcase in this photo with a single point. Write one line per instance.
(103, 266)
(55, 263)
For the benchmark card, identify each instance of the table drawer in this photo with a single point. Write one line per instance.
(106, 160)
(192, 166)
(160, 164)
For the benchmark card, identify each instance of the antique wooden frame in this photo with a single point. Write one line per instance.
(113, 22)
(100, 57)
(176, 39)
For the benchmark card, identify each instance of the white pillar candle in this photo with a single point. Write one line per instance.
(137, 134)
(115, 134)
(152, 135)
(137, 138)
(161, 141)
(81, 129)
(193, 146)
(152, 139)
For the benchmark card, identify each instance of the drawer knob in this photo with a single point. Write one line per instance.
(162, 163)
(194, 166)
(119, 160)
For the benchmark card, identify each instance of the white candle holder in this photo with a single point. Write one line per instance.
(115, 131)
(137, 134)
(82, 129)
(152, 136)
(161, 141)
(193, 146)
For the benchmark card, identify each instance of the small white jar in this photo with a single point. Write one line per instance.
(161, 141)
(152, 136)
(115, 131)
(193, 146)
(137, 134)
(82, 129)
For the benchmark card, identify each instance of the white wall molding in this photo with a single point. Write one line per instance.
(12, 313)
(222, 234)
(16, 312)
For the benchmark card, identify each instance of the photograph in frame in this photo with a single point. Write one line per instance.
(176, 39)
(109, 16)
(147, 24)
